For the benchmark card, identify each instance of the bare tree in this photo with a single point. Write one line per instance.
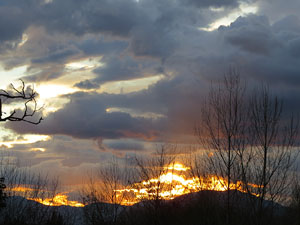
(222, 128)
(27, 96)
(24, 95)
(22, 187)
(150, 172)
(103, 193)
(248, 140)
(271, 140)
(295, 202)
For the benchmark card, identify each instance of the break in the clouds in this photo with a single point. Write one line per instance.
(138, 69)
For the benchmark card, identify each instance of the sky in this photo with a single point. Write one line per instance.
(119, 77)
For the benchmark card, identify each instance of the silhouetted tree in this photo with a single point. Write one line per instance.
(102, 194)
(221, 128)
(55, 219)
(249, 141)
(271, 140)
(295, 204)
(150, 171)
(26, 96)
(2, 194)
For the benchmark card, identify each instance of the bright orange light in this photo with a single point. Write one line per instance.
(171, 184)
(177, 167)
(58, 200)
(167, 186)
(22, 189)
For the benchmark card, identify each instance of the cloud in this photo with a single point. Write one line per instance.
(152, 114)
(11, 26)
(100, 46)
(137, 39)
(125, 145)
(252, 34)
(87, 84)
(61, 31)
(58, 56)
(86, 117)
(213, 3)
(124, 68)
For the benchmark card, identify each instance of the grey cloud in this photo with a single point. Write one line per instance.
(261, 50)
(294, 47)
(149, 37)
(11, 26)
(45, 73)
(87, 84)
(148, 28)
(77, 17)
(214, 3)
(277, 9)
(252, 34)
(99, 47)
(59, 56)
(63, 151)
(86, 117)
(289, 24)
(124, 68)
(152, 42)
(125, 145)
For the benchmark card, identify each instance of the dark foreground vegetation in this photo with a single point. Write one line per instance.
(202, 208)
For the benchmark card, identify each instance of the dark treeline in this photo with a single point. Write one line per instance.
(197, 208)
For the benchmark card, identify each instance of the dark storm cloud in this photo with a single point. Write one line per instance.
(59, 56)
(152, 42)
(87, 84)
(252, 34)
(124, 68)
(148, 28)
(13, 21)
(277, 9)
(86, 117)
(45, 73)
(213, 3)
(268, 51)
(100, 46)
(79, 17)
(125, 145)
(137, 39)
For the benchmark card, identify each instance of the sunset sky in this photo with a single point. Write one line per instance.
(119, 77)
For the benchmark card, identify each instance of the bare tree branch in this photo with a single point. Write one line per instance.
(27, 113)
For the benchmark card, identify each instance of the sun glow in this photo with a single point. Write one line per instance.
(129, 86)
(167, 186)
(84, 64)
(172, 184)
(47, 91)
(178, 167)
(38, 149)
(243, 10)
(26, 139)
(58, 200)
